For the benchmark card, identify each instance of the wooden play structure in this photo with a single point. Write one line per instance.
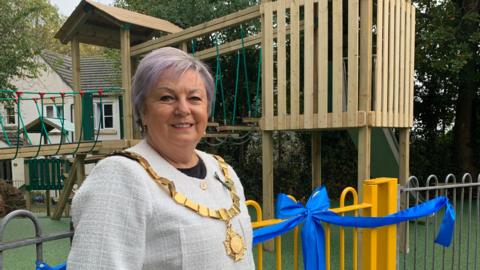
(325, 65)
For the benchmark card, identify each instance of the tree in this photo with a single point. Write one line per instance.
(447, 73)
(185, 13)
(26, 27)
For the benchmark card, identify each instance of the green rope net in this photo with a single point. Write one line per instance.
(240, 67)
(19, 97)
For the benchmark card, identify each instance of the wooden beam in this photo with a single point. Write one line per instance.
(403, 38)
(106, 41)
(352, 70)
(404, 164)
(126, 82)
(237, 44)
(365, 91)
(365, 78)
(76, 87)
(316, 159)
(364, 156)
(26, 174)
(294, 64)
(237, 128)
(51, 149)
(74, 29)
(267, 179)
(379, 64)
(308, 69)
(408, 52)
(322, 69)
(221, 135)
(396, 98)
(250, 120)
(267, 66)
(391, 63)
(404, 174)
(412, 66)
(337, 62)
(212, 124)
(67, 189)
(107, 17)
(385, 78)
(80, 168)
(228, 47)
(281, 65)
(198, 30)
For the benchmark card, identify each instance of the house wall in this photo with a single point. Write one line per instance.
(49, 81)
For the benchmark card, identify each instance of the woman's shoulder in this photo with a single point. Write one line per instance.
(117, 163)
(116, 169)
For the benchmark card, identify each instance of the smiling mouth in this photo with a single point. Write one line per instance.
(182, 125)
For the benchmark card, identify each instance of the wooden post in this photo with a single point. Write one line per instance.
(184, 46)
(316, 159)
(365, 133)
(67, 188)
(404, 174)
(267, 177)
(364, 156)
(81, 169)
(267, 143)
(47, 201)
(134, 64)
(28, 194)
(364, 104)
(76, 86)
(126, 81)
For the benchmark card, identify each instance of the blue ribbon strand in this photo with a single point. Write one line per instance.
(43, 266)
(316, 211)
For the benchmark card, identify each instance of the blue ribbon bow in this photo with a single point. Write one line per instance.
(316, 211)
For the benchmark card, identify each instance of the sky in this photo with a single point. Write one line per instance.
(66, 7)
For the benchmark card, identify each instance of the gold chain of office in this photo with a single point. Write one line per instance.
(234, 243)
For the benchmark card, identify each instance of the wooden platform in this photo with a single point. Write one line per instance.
(101, 147)
(221, 135)
(237, 128)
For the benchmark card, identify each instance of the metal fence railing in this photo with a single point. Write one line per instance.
(37, 240)
(416, 248)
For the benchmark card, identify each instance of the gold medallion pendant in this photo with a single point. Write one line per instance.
(234, 244)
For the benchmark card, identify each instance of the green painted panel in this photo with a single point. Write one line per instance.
(87, 117)
(384, 153)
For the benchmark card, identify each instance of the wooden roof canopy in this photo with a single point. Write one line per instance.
(97, 24)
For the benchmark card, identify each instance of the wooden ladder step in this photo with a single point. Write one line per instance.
(237, 128)
(212, 124)
(221, 135)
(250, 120)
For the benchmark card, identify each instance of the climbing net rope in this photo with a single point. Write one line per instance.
(18, 99)
(240, 67)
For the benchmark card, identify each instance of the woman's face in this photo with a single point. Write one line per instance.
(176, 112)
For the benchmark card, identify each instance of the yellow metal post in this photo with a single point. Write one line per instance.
(381, 193)
(259, 212)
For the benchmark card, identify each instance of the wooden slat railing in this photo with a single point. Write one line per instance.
(395, 28)
(311, 52)
(324, 92)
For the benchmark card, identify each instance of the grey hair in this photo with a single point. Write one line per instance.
(159, 62)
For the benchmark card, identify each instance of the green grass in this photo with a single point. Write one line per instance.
(56, 252)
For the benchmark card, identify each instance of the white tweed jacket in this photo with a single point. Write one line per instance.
(124, 221)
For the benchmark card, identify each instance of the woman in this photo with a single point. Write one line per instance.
(162, 204)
